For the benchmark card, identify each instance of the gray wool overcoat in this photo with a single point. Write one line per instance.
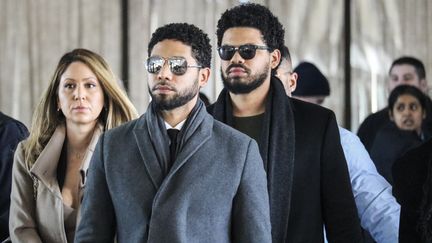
(216, 190)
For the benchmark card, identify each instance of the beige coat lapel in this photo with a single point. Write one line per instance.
(87, 158)
(45, 167)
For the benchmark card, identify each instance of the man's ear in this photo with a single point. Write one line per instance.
(203, 76)
(293, 81)
(424, 85)
(275, 56)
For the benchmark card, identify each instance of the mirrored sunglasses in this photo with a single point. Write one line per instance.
(177, 65)
(246, 51)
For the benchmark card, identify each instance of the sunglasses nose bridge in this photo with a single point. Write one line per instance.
(237, 58)
(165, 71)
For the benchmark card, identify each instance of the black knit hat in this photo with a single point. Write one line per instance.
(311, 82)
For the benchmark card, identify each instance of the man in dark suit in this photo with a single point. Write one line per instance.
(11, 133)
(299, 142)
(404, 70)
(205, 184)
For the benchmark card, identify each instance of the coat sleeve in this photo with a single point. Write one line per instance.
(339, 209)
(97, 211)
(251, 213)
(11, 133)
(376, 206)
(22, 224)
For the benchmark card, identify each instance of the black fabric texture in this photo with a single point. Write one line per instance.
(277, 132)
(172, 134)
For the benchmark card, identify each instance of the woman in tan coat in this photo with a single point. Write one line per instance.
(49, 172)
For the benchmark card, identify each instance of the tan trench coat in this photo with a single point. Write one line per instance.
(40, 219)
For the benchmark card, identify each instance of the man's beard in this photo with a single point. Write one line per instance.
(166, 102)
(236, 86)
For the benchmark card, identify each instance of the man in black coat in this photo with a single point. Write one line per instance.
(307, 174)
(412, 189)
(404, 70)
(11, 133)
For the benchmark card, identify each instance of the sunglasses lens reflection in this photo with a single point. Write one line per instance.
(154, 65)
(177, 65)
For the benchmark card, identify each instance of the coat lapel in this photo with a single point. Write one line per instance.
(45, 167)
(153, 142)
(147, 152)
(87, 158)
(193, 144)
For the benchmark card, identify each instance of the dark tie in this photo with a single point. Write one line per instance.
(172, 133)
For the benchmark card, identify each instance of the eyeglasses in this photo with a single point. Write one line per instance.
(177, 65)
(246, 51)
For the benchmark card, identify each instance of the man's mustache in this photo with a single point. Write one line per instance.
(163, 83)
(236, 65)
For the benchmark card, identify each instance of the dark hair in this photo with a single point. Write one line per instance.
(255, 16)
(406, 90)
(285, 53)
(204, 98)
(416, 63)
(188, 34)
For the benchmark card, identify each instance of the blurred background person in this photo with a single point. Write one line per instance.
(11, 133)
(312, 86)
(404, 70)
(82, 100)
(285, 73)
(412, 187)
(377, 208)
(407, 113)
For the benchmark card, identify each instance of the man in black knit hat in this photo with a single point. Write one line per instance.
(316, 90)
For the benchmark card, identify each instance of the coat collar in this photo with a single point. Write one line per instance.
(146, 149)
(87, 158)
(45, 167)
(152, 141)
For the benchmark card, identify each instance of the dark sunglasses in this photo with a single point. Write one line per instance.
(246, 51)
(177, 65)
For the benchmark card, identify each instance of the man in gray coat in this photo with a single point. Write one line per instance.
(204, 184)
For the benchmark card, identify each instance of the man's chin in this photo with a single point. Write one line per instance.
(164, 106)
(238, 90)
(239, 87)
(171, 103)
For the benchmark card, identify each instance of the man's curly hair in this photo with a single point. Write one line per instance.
(188, 34)
(255, 16)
